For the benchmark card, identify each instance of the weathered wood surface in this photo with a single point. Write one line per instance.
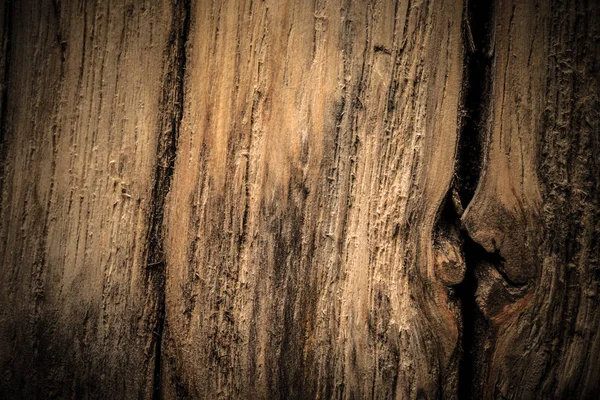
(273, 199)
(315, 152)
(80, 124)
(538, 205)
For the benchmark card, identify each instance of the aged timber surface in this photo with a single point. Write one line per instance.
(315, 153)
(537, 206)
(332, 199)
(80, 125)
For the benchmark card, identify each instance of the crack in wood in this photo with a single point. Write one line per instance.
(477, 25)
(171, 106)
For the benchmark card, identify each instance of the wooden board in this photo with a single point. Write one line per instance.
(537, 205)
(315, 153)
(79, 138)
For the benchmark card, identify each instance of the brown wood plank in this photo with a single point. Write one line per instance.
(537, 205)
(79, 138)
(315, 153)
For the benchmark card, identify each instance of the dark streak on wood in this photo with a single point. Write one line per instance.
(171, 112)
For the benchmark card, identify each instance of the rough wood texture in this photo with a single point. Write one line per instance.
(537, 205)
(316, 150)
(271, 199)
(79, 139)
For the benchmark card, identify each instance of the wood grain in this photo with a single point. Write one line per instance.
(79, 130)
(315, 153)
(335, 199)
(537, 204)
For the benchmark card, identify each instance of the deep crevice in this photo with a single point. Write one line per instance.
(476, 92)
(474, 324)
(470, 158)
(171, 110)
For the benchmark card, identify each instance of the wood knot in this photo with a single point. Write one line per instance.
(510, 234)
